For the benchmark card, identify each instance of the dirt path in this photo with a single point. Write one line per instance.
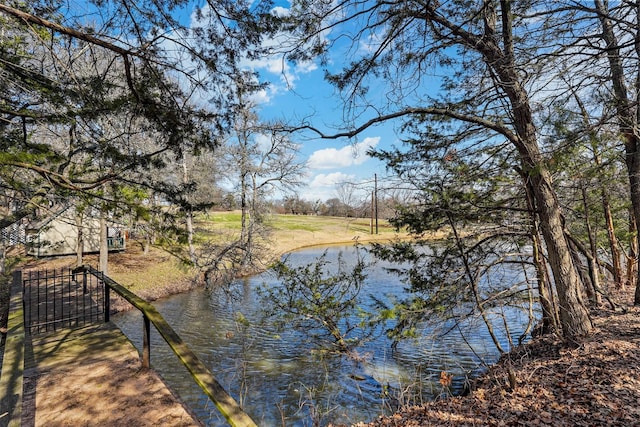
(93, 377)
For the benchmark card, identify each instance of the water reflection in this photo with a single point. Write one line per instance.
(281, 378)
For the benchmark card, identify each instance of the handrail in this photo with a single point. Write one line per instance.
(12, 378)
(226, 404)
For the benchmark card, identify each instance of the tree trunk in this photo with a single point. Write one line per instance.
(594, 265)
(613, 242)
(606, 205)
(636, 298)
(3, 256)
(574, 316)
(80, 240)
(147, 245)
(243, 208)
(633, 252)
(634, 178)
(583, 272)
(550, 316)
(500, 57)
(104, 245)
(626, 111)
(550, 320)
(189, 224)
(633, 169)
(189, 214)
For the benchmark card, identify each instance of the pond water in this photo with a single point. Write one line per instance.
(280, 378)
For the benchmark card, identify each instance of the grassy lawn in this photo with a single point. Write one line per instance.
(327, 223)
(159, 274)
(291, 232)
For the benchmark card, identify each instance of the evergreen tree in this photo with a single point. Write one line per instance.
(484, 55)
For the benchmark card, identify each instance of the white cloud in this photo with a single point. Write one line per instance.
(280, 11)
(331, 158)
(304, 67)
(323, 181)
(283, 74)
(323, 186)
(260, 97)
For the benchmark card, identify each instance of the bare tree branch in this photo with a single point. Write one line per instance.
(499, 128)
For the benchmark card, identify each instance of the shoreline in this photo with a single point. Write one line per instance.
(160, 275)
(197, 282)
(555, 384)
(547, 382)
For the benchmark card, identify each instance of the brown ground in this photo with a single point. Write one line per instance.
(68, 385)
(596, 383)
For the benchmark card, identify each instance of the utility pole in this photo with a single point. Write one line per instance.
(375, 198)
(373, 210)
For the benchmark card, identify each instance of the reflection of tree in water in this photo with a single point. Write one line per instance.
(320, 299)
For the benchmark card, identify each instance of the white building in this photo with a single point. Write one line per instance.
(59, 234)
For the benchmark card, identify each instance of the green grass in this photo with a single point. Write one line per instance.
(225, 226)
(317, 223)
(220, 220)
(295, 222)
(158, 274)
(231, 221)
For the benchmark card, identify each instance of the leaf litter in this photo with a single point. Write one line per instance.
(595, 382)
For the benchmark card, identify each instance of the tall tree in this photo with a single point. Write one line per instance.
(489, 48)
(485, 226)
(616, 23)
(75, 107)
(85, 90)
(598, 57)
(263, 161)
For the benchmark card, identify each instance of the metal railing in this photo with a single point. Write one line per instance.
(59, 298)
(226, 404)
(116, 243)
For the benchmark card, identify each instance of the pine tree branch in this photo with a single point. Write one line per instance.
(41, 22)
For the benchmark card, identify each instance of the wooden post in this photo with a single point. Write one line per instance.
(372, 212)
(146, 342)
(107, 300)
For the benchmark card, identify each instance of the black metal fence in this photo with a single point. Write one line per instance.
(61, 298)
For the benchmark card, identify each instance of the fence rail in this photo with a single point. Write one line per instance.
(226, 404)
(12, 378)
(55, 299)
(116, 243)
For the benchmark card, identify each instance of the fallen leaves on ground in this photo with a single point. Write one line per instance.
(593, 383)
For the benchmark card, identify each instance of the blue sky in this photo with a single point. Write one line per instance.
(328, 162)
(300, 92)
